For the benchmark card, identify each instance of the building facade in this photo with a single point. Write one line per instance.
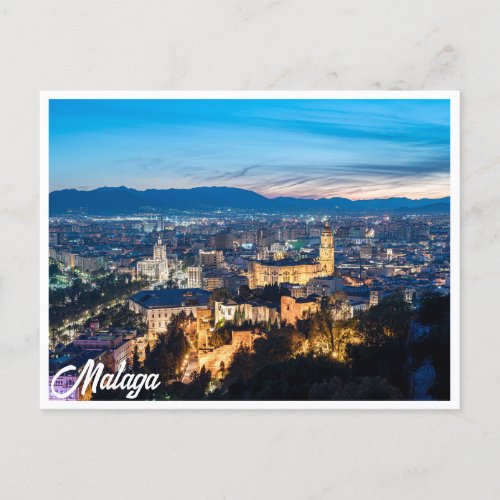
(252, 310)
(326, 252)
(300, 272)
(194, 277)
(210, 258)
(158, 306)
(295, 309)
(155, 269)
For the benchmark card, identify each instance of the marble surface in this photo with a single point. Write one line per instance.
(252, 44)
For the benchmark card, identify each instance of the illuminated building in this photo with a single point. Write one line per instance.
(376, 295)
(194, 276)
(117, 347)
(158, 306)
(159, 251)
(300, 272)
(326, 252)
(203, 318)
(325, 286)
(225, 310)
(89, 263)
(210, 282)
(155, 269)
(255, 311)
(242, 339)
(301, 308)
(217, 361)
(210, 258)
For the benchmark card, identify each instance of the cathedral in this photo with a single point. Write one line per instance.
(265, 272)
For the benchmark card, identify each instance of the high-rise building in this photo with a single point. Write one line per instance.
(224, 240)
(155, 269)
(210, 258)
(159, 251)
(194, 276)
(148, 226)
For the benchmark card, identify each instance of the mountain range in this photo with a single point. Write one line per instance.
(122, 200)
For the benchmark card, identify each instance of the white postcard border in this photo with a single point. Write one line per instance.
(454, 403)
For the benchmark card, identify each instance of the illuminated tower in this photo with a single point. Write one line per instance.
(326, 251)
(159, 251)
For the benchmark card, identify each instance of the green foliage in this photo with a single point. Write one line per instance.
(278, 347)
(383, 351)
(53, 269)
(292, 363)
(435, 309)
(244, 292)
(120, 315)
(321, 334)
(390, 318)
(195, 390)
(291, 379)
(69, 303)
(363, 389)
(167, 355)
(221, 335)
(218, 295)
(136, 365)
(435, 312)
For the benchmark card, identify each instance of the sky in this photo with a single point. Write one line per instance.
(357, 149)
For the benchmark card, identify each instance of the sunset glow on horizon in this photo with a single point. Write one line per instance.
(357, 149)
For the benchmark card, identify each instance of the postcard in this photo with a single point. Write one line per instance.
(250, 250)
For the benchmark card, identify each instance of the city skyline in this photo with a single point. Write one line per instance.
(356, 149)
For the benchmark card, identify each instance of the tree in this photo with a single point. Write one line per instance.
(363, 389)
(435, 346)
(218, 295)
(383, 350)
(271, 293)
(290, 379)
(136, 365)
(244, 292)
(54, 337)
(346, 332)
(53, 269)
(321, 334)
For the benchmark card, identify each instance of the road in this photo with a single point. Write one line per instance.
(191, 363)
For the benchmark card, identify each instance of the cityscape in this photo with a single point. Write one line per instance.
(278, 283)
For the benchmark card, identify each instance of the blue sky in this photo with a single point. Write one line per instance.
(357, 149)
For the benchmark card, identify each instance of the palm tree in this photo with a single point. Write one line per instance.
(54, 337)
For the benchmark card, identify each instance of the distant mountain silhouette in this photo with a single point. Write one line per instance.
(122, 200)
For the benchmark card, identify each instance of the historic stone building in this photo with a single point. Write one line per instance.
(301, 308)
(264, 272)
(158, 306)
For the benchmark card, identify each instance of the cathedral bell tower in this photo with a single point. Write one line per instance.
(326, 251)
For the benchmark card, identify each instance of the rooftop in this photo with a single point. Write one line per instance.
(287, 262)
(172, 297)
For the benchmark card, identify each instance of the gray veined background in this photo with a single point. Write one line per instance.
(241, 44)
